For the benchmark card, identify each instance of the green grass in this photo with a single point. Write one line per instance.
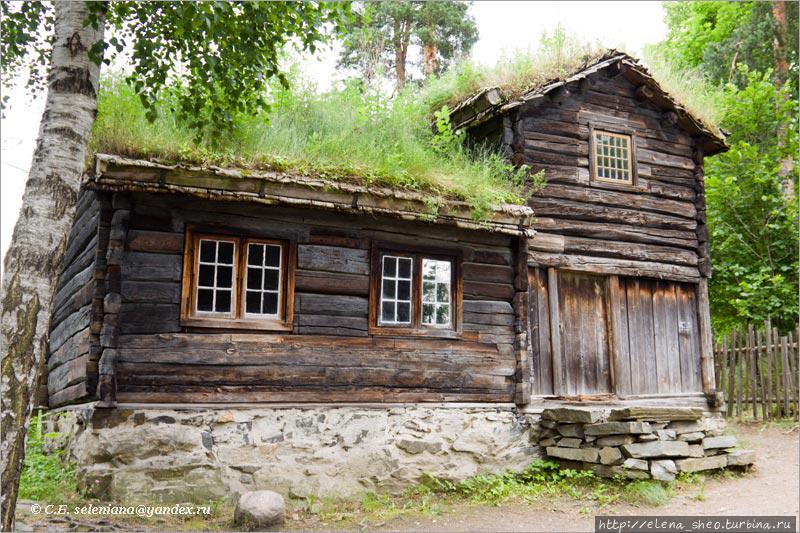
(45, 477)
(344, 134)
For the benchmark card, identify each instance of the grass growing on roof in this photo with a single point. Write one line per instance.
(343, 134)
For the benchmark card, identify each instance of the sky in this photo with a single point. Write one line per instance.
(503, 27)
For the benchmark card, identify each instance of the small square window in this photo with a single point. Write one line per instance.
(612, 157)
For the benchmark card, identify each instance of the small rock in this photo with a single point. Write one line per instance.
(570, 414)
(725, 441)
(549, 441)
(694, 436)
(611, 456)
(570, 430)
(590, 438)
(657, 448)
(548, 424)
(666, 434)
(614, 440)
(589, 455)
(702, 463)
(617, 428)
(695, 450)
(568, 442)
(415, 446)
(686, 426)
(635, 464)
(259, 509)
(647, 437)
(741, 458)
(663, 470)
(614, 471)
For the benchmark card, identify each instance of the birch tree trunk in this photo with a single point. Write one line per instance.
(34, 258)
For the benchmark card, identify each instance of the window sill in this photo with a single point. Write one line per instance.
(226, 323)
(382, 331)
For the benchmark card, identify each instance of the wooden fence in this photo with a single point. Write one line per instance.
(756, 370)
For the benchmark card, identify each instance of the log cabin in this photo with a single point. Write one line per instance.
(188, 287)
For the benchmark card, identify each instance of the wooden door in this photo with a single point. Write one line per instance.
(583, 334)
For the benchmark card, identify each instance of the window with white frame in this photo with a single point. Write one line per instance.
(612, 154)
(416, 291)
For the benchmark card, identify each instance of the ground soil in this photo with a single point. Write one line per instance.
(771, 488)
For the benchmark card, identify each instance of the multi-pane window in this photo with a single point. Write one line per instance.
(416, 292)
(235, 282)
(612, 157)
(215, 269)
(263, 285)
(396, 290)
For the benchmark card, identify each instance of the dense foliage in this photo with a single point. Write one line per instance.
(752, 203)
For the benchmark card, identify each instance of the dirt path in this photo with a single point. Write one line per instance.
(771, 489)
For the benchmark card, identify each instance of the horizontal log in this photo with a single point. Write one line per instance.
(487, 307)
(71, 394)
(82, 233)
(68, 374)
(151, 291)
(75, 346)
(577, 210)
(348, 324)
(74, 323)
(489, 291)
(331, 283)
(618, 232)
(480, 319)
(81, 279)
(147, 266)
(155, 241)
(149, 318)
(545, 242)
(327, 304)
(84, 259)
(607, 265)
(619, 199)
(83, 296)
(487, 272)
(333, 259)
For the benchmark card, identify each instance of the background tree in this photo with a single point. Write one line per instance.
(226, 51)
(379, 37)
(750, 51)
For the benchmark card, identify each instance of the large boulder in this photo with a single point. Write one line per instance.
(259, 509)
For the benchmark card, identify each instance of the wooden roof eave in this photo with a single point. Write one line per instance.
(119, 174)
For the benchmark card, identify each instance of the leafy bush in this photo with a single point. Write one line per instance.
(44, 477)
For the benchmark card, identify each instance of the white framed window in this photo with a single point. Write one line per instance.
(263, 280)
(215, 277)
(397, 275)
(612, 155)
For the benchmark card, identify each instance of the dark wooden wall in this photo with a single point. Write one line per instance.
(330, 355)
(76, 320)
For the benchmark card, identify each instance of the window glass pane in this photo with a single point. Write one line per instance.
(273, 256)
(436, 292)
(389, 288)
(224, 276)
(205, 275)
(404, 290)
(403, 312)
(612, 156)
(387, 312)
(223, 302)
(254, 278)
(270, 303)
(428, 311)
(428, 291)
(208, 251)
(271, 279)
(389, 266)
(253, 302)
(225, 253)
(404, 268)
(442, 292)
(205, 298)
(443, 315)
(255, 254)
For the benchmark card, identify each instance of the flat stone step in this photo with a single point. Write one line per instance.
(656, 413)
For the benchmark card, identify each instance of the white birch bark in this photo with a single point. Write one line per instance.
(34, 258)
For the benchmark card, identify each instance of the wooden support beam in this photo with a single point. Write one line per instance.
(555, 331)
(706, 346)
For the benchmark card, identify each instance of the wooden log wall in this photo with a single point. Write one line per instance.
(330, 355)
(653, 228)
(76, 321)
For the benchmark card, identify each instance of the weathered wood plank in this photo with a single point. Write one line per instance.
(618, 232)
(618, 199)
(608, 265)
(333, 259)
(155, 241)
(149, 318)
(492, 291)
(151, 292)
(487, 272)
(551, 242)
(578, 210)
(143, 266)
(331, 283)
(334, 305)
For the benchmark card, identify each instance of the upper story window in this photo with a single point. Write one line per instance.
(415, 293)
(236, 282)
(612, 157)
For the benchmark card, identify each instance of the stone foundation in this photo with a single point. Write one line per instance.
(126, 455)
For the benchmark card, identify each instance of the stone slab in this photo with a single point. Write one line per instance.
(611, 456)
(609, 471)
(694, 436)
(570, 430)
(647, 437)
(666, 434)
(614, 440)
(588, 455)
(568, 442)
(617, 428)
(702, 463)
(658, 448)
(741, 457)
(687, 426)
(656, 413)
(696, 450)
(573, 415)
(636, 464)
(663, 470)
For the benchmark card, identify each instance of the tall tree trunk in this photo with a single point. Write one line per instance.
(34, 258)
(781, 74)
(430, 59)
